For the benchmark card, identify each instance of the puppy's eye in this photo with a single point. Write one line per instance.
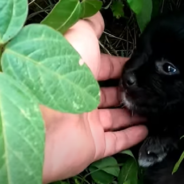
(167, 68)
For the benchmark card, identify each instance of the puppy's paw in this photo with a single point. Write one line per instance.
(154, 150)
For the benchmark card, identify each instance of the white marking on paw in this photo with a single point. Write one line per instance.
(144, 162)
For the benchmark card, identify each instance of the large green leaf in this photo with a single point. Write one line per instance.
(21, 134)
(135, 5)
(129, 172)
(90, 7)
(48, 65)
(65, 14)
(145, 15)
(13, 14)
(103, 171)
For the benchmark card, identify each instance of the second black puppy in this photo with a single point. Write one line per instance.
(153, 86)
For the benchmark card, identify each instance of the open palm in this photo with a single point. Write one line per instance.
(75, 141)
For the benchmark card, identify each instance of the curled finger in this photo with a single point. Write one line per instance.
(124, 139)
(110, 67)
(109, 97)
(114, 119)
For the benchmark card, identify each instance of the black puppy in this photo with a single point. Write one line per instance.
(153, 86)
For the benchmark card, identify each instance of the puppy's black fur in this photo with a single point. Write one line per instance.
(153, 86)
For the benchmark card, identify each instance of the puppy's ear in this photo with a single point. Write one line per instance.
(166, 28)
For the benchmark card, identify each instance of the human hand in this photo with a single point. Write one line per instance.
(73, 141)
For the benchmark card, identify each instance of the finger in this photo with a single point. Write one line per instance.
(110, 67)
(97, 23)
(114, 119)
(124, 139)
(83, 38)
(109, 97)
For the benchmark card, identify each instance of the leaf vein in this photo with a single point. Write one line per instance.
(47, 69)
(69, 16)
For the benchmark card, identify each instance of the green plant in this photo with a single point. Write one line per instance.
(123, 171)
(38, 66)
(37, 69)
(141, 8)
(117, 8)
(74, 10)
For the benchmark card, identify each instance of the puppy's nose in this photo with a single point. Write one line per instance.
(130, 79)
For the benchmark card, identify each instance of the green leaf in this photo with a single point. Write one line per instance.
(21, 134)
(128, 152)
(145, 15)
(101, 177)
(48, 65)
(135, 5)
(64, 15)
(129, 172)
(90, 7)
(177, 165)
(117, 9)
(108, 165)
(13, 15)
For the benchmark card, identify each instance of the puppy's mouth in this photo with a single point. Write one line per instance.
(126, 99)
(137, 101)
(127, 102)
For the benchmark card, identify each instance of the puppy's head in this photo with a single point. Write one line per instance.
(153, 78)
(152, 84)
